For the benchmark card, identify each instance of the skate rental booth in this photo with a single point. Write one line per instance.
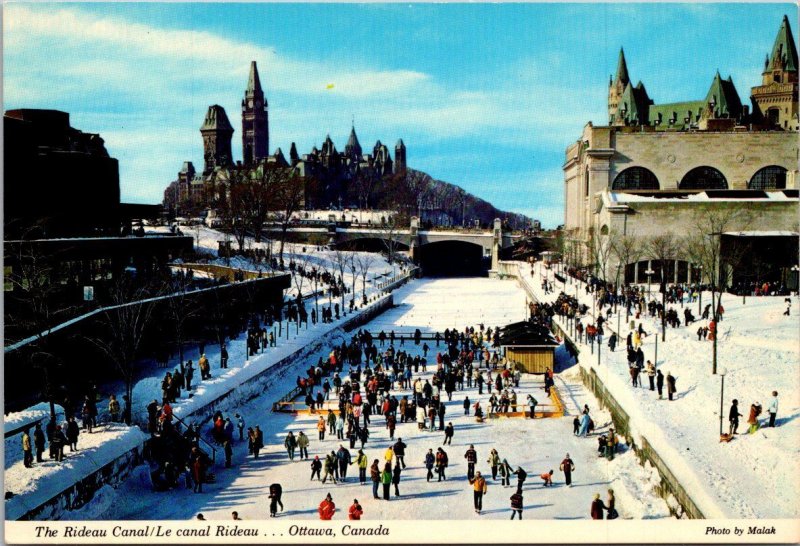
(530, 344)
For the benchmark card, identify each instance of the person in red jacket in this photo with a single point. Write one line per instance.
(355, 511)
(597, 507)
(327, 508)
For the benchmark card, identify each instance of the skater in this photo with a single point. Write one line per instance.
(344, 459)
(660, 383)
(532, 405)
(773, 408)
(567, 467)
(386, 480)
(430, 459)
(396, 479)
(448, 434)
(505, 473)
(752, 420)
(302, 443)
(375, 474)
(612, 512)
(330, 467)
(479, 490)
(223, 357)
(548, 478)
(327, 508)
(516, 505)
(494, 462)
(275, 492)
(362, 462)
(321, 428)
(441, 464)
(466, 405)
(597, 507)
(290, 443)
(472, 457)
(576, 425)
(355, 512)
(316, 467)
(670, 385)
(400, 451)
(733, 417)
(521, 476)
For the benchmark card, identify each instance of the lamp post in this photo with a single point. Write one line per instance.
(649, 274)
(722, 371)
(700, 290)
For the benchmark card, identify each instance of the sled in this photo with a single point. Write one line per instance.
(725, 438)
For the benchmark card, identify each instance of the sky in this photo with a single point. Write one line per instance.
(485, 96)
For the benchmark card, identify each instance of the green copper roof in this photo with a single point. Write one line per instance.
(725, 98)
(216, 119)
(677, 111)
(784, 52)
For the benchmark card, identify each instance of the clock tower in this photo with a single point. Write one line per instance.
(255, 120)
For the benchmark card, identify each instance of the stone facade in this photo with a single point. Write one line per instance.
(644, 178)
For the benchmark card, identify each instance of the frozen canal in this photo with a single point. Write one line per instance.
(537, 446)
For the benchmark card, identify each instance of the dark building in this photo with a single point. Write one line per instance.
(64, 222)
(255, 120)
(59, 181)
(217, 132)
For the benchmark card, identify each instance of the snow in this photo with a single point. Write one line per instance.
(537, 445)
(754, 476)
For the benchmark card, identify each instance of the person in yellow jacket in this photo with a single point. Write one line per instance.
(321, 427)
(388, 454)
(27, 452)
(479, 490)
(363, 463)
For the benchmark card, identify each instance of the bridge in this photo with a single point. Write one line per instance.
(453, 251)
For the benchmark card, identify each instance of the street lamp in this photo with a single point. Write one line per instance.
(722, 371)
(649, 274)
(700, 291)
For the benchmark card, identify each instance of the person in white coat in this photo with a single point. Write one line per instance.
(773, 408)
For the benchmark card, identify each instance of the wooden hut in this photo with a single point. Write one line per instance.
(530, 344)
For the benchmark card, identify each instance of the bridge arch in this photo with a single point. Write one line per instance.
(453, 258)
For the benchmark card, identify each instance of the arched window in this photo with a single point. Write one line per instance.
(604, 230)
(635, 178)
(768, 178)
(703, 178)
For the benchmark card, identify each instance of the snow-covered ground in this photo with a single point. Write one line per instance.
(537, 446)
(753, 476)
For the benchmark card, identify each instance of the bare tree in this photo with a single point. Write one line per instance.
(289, 191)
(341, 261)
(233, 202)
(390, 232)
(125, 322)
(352, 266)
(364, 262)
(705, 250)
(626, 249)
(181, 307)
(663, 249)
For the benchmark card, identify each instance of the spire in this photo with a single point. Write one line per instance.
(253, 82)
(622, 69)
(400, 145)
(784, 52)
(216, 119)
(353, 147)
(723, 95)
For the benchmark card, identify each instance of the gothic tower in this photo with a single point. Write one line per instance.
(255, 120)
(616, 88)
(775, 100)
(400, 157)
(217, 132)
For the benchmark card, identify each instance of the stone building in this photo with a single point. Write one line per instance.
(335, 173)
(656, 168)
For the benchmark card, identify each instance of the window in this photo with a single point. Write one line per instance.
(703, 178)
(768, 178)
(635, 178)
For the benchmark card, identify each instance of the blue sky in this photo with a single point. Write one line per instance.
(486, 96)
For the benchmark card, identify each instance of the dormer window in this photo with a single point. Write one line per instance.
(776, 77)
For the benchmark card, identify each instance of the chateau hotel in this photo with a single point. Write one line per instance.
(657, 168)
